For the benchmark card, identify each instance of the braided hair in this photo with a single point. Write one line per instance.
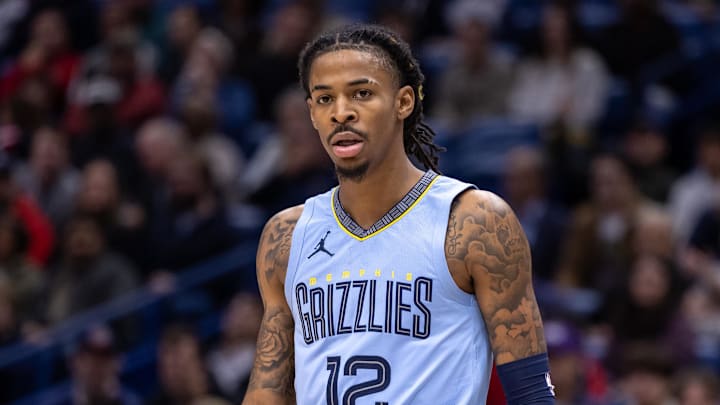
(396, 54)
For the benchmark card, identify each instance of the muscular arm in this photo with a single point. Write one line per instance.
(489, 256)
(273, 375)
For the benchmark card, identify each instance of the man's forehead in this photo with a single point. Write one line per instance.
(372, 62)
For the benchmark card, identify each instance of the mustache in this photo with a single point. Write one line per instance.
(346, 128)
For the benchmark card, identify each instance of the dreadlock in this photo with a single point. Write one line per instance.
(396, 53)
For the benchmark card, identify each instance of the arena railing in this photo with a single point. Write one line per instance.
(34, 364)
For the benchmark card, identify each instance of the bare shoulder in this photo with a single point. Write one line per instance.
(488, 255)
(480, 202)
(274, 248)
(482, 226)
(284, 218)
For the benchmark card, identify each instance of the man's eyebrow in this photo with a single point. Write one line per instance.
(350, 83)
(321, 87)
(361, 81)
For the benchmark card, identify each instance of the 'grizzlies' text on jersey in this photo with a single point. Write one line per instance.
(378, 317)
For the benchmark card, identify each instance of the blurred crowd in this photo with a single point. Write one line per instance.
(141, 137)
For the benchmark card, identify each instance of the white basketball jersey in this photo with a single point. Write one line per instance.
(378, 317)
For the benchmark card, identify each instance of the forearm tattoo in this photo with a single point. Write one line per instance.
(486, 237)
(274, 367)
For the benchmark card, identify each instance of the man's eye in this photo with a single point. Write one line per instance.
(363, 93)
(323, 99)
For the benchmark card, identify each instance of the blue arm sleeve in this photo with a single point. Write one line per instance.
(527, 381)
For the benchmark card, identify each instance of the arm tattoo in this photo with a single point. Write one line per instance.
(486, 238)
(274, 367)
(277, 237)
(451, 241)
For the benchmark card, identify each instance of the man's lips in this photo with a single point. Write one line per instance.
(347, 152)
(347, 144)
(346, 138)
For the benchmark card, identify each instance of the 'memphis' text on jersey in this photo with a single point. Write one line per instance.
(368, 304)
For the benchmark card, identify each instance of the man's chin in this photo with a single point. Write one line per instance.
(352, 173)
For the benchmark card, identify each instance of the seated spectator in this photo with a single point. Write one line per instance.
(697, 387)
(199, 114)
(158, 143)
(477, 84)
(194, 225)
(14, 202)
(95, 368)
(47, 54)
(578, 379)
(205, 73)
(598, 251)
(698, 190)
(701, 309)
(654, 235)
(701, 257)
(16, 377)
(642, 35)
(645, 147)
(48, 177)
(274, 68)
(544, 222)
(646, 311)
(117, 19)
(181, 29)
(290, 165)
(137, 94)
(25, 113)
(644, 378)
(564, 84)
(9, 322)
(231, 362)
(241, 21)
(123, 221)
(88, 274)
(25, 280)
(105, 136)
(181, 370)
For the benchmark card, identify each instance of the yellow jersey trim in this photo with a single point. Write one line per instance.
(399, 217)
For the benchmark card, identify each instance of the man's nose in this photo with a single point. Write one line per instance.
(343, 112)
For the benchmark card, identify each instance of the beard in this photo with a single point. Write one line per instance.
(355, 173)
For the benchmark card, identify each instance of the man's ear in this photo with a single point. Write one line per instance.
(310, 110)
(405, 102)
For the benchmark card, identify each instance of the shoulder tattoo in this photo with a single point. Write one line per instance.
(276, 240)
(485, 237)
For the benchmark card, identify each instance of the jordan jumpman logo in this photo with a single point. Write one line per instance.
(320, 247)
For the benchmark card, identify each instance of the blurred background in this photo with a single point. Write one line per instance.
(143, 144)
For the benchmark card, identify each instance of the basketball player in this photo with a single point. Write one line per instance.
(399, 286)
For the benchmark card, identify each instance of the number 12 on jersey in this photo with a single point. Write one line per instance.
(352, 365)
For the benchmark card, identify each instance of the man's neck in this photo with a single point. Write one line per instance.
(372, 197)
